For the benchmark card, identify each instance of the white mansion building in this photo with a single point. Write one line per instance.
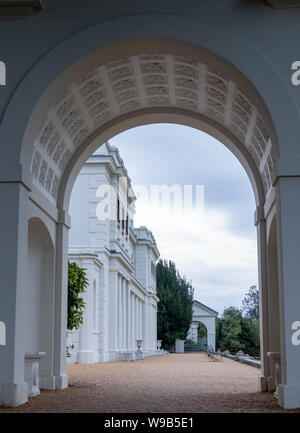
(120, 262)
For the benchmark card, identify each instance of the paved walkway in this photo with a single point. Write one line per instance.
(178, 383)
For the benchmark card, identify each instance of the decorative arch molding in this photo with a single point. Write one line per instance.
(154, 82)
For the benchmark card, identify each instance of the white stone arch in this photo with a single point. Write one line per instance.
(235, 113)
(206, 316)
(144, 88)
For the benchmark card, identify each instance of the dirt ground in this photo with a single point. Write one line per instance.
(176, 383)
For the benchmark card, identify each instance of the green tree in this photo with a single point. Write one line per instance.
(250, 303)
(230, 330)
(238, 329)
(175, 303)
(77, 283)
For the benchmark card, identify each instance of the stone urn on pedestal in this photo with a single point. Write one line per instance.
(139, 353)
(32, 371)
(159, 344)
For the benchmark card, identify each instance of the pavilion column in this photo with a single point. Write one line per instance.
(85, 354)
(13, 266)
(128, 316)
(132, 321)
(146, 323)
(273, 293)
(140, 319)
(124, 316)
(113, 310)
(141, 322)
(119, 317)
(136, 319)
(61, 301)
(288, 224)
(155, 328)
(260, 222)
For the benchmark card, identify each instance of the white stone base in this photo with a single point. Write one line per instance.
(288, 396)
(139, 355)
(13, 394)
(86, 357)
(47, 382)
(61, 382)
(119, 355)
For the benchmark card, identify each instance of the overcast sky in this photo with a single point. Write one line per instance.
(217, 252)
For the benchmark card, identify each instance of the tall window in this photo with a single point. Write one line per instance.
(123, 221)
(118, 212)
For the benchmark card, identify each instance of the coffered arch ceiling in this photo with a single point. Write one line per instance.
(146, 81)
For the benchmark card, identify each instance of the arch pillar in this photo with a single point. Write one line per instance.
(273, 299)
(288, 217)
(260, 223)
(85, 354)
(211, 340)
(13, 266)
(61, 300)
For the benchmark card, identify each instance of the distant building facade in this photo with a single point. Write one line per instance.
(120, 261)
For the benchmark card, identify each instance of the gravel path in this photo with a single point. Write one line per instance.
(175, 383)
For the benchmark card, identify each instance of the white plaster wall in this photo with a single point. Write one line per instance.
(79, 205)
(141, 264)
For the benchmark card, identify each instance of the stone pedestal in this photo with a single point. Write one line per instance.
(179, 346)
(273, 382)
(32, 372)
(139, 353)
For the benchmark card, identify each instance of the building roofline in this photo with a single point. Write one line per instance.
(205, 307)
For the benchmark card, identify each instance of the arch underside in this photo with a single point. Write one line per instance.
(140, 82)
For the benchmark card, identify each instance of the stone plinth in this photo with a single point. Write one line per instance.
(32, 372)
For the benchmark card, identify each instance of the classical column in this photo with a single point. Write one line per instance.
(119, 318)
(155, 327)
(288, 223)
(128, 316)
(140, 319)
(124, 317)
(136, 320)
(61, 301)
(113, 311)
(141, 322)
(260, 222)
(13, 263)
(132, 321)
(146, 324)
(85, 353)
